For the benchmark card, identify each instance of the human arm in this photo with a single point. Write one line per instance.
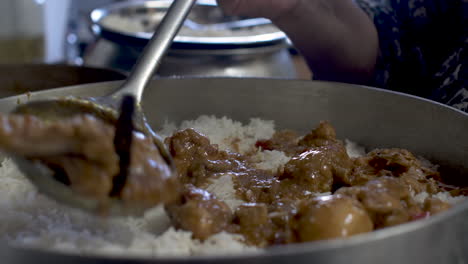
(337, 39)
(410, 46)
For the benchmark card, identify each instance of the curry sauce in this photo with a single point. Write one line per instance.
(321, 193)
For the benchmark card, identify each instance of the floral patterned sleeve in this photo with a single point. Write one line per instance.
(423, 47)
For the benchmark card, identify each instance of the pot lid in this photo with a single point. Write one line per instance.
(133, 23)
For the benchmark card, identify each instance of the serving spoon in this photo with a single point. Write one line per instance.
(106, 108)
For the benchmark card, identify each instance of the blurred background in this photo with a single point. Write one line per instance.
(110, 34)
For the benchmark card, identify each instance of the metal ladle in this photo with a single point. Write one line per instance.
(105, 107)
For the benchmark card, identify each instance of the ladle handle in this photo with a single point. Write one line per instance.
(154, 51)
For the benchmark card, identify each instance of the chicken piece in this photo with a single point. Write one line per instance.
(285, 141)
(330, 217)
(419, 181)
(200, 212)
(255, 224)
(319, 161)
(83, 135)
(313, 171)
(197, 161)
(290, 143)
(86, 178)
(150, 179)
(323, 135)
(83, 148)
(393, 162)
(318, 167)
(282, 213)
(387, 200)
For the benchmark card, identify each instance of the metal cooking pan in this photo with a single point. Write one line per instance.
(22, 78)
(372, 117)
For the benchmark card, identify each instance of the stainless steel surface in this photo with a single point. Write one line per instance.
(137, 18)
(210, 50)
(156, 49)
(22, 78)
(43, 178)
(268, 62)
(372, 117)
(272, 61)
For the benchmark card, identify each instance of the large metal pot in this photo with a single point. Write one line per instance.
(22, 78)
(373, 117)
(258, 52)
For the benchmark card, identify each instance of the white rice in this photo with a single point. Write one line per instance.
(270, 160)
(354, 150)
(226, 133)
(30, 219)
(223, 188)
(443, 196)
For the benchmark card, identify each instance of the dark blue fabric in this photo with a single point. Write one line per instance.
(423, 47)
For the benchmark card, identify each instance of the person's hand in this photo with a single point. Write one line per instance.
(272, 9)
(336, 37)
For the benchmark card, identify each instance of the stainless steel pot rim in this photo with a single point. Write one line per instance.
(286, 250)
(138, 38)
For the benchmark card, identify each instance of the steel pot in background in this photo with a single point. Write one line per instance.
(256, 51)
(273, 61)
